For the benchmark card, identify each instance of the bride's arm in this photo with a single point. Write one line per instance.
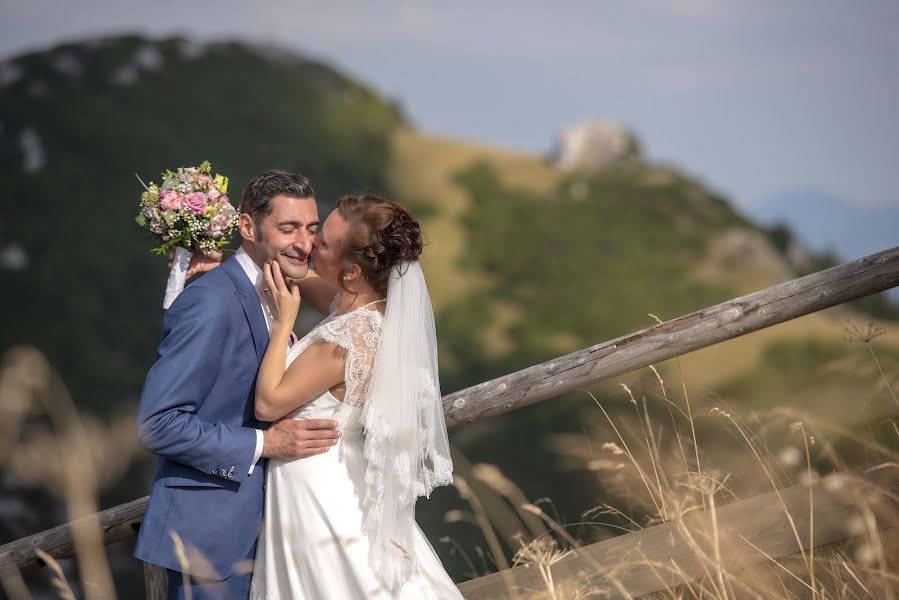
(320, 367)
(317, 292)
(278, 392)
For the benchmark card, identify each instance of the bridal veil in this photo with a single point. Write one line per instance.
(406, 445)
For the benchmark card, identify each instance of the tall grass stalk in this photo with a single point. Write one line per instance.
(12, 583)
(30, 380)
(59, 579)
(467, 493)
(627, 450)
(866, 336)
(811, 510)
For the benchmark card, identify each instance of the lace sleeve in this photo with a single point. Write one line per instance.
(359, 334)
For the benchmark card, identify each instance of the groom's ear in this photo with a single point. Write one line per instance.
(247, 227)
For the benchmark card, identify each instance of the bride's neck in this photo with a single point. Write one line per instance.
(354, 298)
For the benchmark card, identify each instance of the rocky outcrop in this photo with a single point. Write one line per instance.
(594, 145)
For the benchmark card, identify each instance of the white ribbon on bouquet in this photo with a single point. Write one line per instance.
(177, 276)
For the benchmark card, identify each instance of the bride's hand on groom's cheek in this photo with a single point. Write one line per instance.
(199, 262)
(284, 296)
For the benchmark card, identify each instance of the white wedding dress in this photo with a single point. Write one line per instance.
(312, 545)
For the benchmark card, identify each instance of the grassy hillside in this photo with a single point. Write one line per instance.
(729, 254)
(424, 168)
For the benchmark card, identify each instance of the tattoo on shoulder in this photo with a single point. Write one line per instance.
(339, 352)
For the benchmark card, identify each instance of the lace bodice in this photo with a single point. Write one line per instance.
(358, 333)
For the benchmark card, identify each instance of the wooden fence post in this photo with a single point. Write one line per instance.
(156, 582)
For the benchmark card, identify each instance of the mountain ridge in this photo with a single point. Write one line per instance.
(816, 217)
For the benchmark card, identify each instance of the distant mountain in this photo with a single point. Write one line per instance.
(826, 222)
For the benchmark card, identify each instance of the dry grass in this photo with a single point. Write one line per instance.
(48, 442)
(669, 471)
(660, 473)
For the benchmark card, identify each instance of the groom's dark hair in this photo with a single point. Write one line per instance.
(256, 199)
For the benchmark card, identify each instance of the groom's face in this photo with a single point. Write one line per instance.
(284, 235)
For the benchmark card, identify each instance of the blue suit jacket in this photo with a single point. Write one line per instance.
(196, 412)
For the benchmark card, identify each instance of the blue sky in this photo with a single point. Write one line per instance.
(758, 99)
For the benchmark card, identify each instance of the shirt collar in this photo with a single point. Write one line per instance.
(254, 273)
(249, 266)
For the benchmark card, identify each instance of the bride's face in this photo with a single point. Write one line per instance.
(326, 257)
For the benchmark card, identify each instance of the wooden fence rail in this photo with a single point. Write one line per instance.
(117, 523)
(702, 328)
(749, 531)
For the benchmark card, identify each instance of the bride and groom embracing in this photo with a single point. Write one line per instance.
(290, 469)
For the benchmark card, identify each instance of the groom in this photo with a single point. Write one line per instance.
(197, 406)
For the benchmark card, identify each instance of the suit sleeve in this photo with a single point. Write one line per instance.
(188, 362)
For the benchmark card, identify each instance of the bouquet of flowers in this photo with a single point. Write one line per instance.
(189, 211)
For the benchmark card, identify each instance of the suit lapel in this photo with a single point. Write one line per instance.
(249, 300)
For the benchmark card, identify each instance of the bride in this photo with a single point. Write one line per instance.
(342, 524)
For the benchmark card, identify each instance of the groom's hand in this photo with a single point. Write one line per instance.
(199, 262)
(291, 439)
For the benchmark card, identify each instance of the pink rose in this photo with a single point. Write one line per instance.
(213, 193)
(217, 225)
(196, 203)
(170, 200)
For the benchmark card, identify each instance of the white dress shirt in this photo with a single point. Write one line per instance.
(254, 273)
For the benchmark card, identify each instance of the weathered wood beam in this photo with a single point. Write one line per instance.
(696, 330)
(118, 523)
(642, 562)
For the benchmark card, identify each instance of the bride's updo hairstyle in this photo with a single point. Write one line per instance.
(381, 235)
